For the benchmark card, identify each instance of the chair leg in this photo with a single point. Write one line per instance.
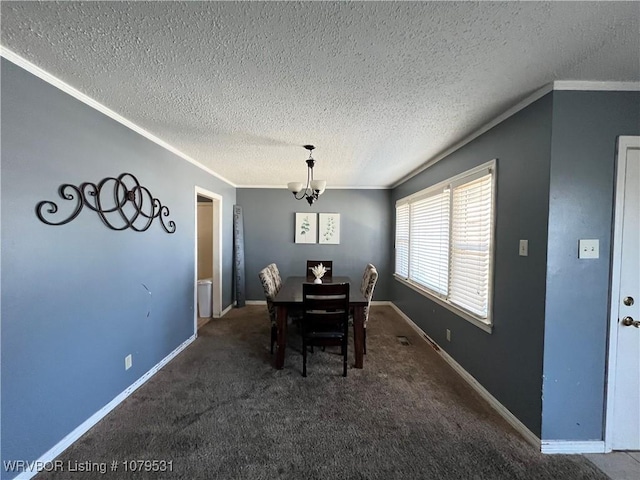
(344, 359)
(304, 358)
(274, 336)
(365, 341)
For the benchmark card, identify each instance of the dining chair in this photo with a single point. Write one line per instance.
(328, 265)
(275, 273)
(325, 319)
(270, 291)
(369, 279)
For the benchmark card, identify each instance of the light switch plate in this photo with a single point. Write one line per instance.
(524, 248)
(589, 248)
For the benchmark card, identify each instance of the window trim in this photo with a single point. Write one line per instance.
(462, 178)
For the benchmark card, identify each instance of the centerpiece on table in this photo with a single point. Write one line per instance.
(318, 272)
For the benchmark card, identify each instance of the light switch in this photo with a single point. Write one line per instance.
(589, 248)
(524, 248)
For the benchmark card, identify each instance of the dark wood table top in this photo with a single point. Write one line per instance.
(291, 291)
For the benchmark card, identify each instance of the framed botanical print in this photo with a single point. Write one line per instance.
(306, 227)
(329, 228)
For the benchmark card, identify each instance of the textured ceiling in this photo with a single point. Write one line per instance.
(379, 88)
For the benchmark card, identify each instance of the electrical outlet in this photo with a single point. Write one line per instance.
(524, 248)
(448, 335)
(128, 362)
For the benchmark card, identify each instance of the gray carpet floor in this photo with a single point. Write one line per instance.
(220, 410)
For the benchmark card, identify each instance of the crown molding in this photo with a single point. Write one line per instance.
(353, 187)
(65, 87)
(596, 86)
(485, 128)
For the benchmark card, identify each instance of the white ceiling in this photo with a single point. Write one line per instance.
(379, 88)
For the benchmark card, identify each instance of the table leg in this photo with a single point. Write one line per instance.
(358, 335)
(281, 344)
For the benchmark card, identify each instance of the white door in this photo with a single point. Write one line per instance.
(623, 420)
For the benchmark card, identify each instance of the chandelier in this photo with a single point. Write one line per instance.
(314, 188)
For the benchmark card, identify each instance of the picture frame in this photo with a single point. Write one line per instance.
(306, 227)
(329, 228)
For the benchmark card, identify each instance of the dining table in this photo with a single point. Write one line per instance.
(289, 299)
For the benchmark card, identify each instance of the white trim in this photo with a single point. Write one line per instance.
(226, 310)
(380, 303)
(217, 253)
(596, 86)
(65, 87)
(255, 302)
(572, 446)
(463, 177)
(520, 427)
(442, 302)
(90, 422)
(344, 187)
(449, 185)
(624, 143)
(488, 126)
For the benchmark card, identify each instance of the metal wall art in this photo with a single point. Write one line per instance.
(120, 203)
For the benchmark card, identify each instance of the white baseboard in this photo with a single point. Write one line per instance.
(531, 437)
(225, 311)
(256, 302)
(572, 446)
(85, 426)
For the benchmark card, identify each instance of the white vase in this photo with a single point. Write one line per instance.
(317, 280)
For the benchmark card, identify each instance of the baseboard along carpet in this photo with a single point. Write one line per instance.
(220, 410)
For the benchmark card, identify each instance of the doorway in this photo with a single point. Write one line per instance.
(622, 430)
(208, 252)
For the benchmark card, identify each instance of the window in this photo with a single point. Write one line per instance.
(444, 242)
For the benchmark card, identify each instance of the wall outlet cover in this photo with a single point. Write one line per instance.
(589, 248)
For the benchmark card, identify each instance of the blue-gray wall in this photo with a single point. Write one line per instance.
(507, 362)
(556, 162)
(73, 303)
(366, 234)
(585, 130)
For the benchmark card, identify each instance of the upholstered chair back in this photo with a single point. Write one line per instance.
(369, 279)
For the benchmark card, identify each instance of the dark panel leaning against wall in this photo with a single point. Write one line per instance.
(75, 298)
(365, 234)
(507, 362)
(585, 130)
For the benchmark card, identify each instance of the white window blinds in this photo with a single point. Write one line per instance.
(444, 240)
(429, 254)
(471, 231)
(402, 240)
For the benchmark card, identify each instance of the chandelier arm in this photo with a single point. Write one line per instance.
(301, 197)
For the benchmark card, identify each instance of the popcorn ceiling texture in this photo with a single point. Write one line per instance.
(378, 87)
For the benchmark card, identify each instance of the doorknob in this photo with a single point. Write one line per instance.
(628, 322)
(628, 301)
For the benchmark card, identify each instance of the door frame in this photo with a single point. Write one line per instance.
(216, 268)
(624, 143)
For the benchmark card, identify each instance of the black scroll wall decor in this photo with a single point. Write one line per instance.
(120, 203)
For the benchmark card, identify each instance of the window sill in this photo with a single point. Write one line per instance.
(458, 311)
